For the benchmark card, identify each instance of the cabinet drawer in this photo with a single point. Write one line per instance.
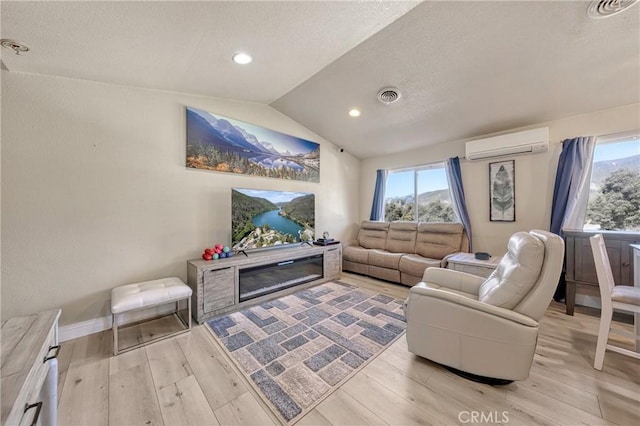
(34, 382)
(333, 263)
(29, 416)
(218, 288)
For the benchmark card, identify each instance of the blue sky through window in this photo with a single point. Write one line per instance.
(616, 150)
(400, 184)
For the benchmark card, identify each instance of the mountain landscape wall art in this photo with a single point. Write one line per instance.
(223, 144)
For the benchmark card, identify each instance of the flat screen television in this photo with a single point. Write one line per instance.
(261, 218)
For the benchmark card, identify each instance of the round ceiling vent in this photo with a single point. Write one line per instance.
(599, 9)
(388, 95)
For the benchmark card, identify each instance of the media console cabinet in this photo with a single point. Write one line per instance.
(30, 369)
(226, 284)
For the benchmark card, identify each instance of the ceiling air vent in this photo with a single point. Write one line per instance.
(599, 9)
(388, 95)
(16, 46)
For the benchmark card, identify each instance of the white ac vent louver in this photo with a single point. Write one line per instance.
(388, 95)
(525, 142)
(599, 9)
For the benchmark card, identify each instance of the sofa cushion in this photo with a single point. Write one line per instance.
(373, 235)
(415, 265)
(384, 273)
(436, 240)
(516, 273)
(401, 237)
(355, 254)
(409, 280)
(626, 294)
(384, 259)
(358, 268)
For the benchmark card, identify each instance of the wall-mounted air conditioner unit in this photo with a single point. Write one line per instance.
(525, 142)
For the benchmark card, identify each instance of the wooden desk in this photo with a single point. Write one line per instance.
(636, 283)
(467, 262)
(30, 369)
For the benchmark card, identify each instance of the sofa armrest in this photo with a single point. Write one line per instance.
(454, 280)
(421, 290)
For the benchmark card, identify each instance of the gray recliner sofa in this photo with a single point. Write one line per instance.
(401, 251)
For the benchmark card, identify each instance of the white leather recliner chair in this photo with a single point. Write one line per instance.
(487, 328)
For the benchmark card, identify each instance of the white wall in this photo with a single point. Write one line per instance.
(95, 192)
(535, 175)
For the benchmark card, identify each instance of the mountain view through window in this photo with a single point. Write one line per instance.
(420, 194)
(614, 193)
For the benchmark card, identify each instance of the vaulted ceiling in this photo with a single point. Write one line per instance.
(463, 68)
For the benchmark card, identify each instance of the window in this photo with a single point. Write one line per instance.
(424, 190)
(614, 193)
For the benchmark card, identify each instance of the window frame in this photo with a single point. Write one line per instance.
(416, 170)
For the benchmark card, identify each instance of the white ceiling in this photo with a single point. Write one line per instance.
(464, 68)
(187, 46)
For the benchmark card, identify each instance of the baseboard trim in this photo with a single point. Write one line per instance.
(96, 325)
(588, 300)
(83, 328)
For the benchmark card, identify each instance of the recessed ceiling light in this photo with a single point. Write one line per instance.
(354, 112)
(242, 58)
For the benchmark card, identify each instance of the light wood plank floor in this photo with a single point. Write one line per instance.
(188, 380)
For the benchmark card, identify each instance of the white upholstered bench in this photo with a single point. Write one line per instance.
(133, 297)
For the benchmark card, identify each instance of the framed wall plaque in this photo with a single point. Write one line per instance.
(502, 191)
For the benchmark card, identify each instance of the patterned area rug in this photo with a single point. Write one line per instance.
(298, 349)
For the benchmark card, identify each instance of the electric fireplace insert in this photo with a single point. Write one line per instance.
(265, 279)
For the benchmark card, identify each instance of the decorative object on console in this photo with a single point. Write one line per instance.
(223, 144)
(216, 252)
(298, 349)
(481, 255)
(502, 191)
(261, 218)
(325, 242)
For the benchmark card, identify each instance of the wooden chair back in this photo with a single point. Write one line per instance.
(603, 267)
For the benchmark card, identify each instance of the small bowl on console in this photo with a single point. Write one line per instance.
(481, 255)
